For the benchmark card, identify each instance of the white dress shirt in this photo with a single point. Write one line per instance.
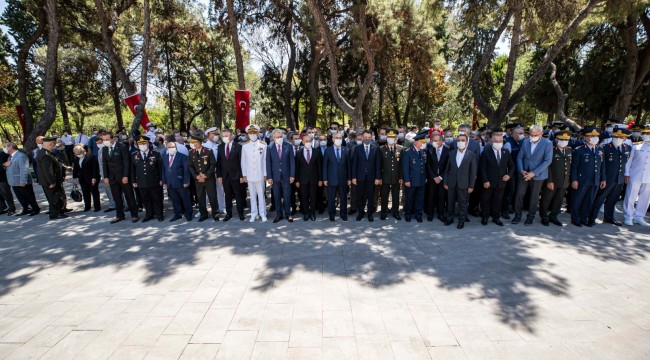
(459, 157)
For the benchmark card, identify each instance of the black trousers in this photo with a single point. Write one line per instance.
(608, 196)
(55, 199)
(151, 201)
(6, 197)
(90, 191)
(437, 198)
(342, 191)
(491, 200)
(393, 191)
(460, 195)
(535, 189)
(118, 190)
(366, 194)
(509, 195)
(475, 197)
(551, 203)
(232, 191)
(208, 189)
(26, 198)
(308, 197)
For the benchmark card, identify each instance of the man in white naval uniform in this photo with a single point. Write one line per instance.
(253, 167)
(151, 133)
(211, 143)
(637, 178)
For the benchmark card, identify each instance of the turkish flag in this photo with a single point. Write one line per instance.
(133, 101)
(243, 109)
(21, 117)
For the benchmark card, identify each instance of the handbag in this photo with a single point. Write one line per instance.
(75, 194)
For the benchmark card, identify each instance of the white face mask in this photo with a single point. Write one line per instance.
(81, 156)
(323, 143)
(449, 140)
(253, 137)
(521, 137)
(497, 146)
(359, 142)
(382, 137)
(610, 130)
(192, 146)
(40, 146)
(171, 151)
(100, 145)
(534, 138)
(278, 141)
(617, 142)
(225, 139)
(122, 137)
(296, 142)
(143, 147)
(562, 143)
(423, 146)
(107, 143)
(308, 145)
(461, 145)
(390, 141)
(593, 140)
(435, 145)
(400, 136)
(338, 142)
(646, 138)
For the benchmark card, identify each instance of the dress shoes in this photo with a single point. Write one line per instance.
(116, 220)
(176, 217)
(460, 225)
(227, 217)
(497, 221)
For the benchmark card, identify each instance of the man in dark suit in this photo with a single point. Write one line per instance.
(336, 176)
(147, 178)
(51, 175)
(117, 167)
(295, 140)
(438, 158)
(459, 178)
(85, 172)
(366, 173)
(176, 179)
(309, 170)
(202, 169)
(616, 155)
(558, 180)
(229, 173)
(391, 174)
(496, 167)
(281, 173)
(414, 175)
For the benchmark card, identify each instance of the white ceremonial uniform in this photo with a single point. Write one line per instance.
(638, 169)
(253, 167)
(221, 195)
(151, 135)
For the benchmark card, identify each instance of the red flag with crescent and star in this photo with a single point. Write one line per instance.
(133, 101)
(243, 108)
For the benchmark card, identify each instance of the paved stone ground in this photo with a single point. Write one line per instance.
(84, 289)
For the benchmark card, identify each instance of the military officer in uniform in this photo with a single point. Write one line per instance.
(253, 167)
(414, 175)
(557, 183)
(202, 170)
(51, 173)
(637, 177)
(616, 154)
(587, 176)
(391, 174)
(147, 178)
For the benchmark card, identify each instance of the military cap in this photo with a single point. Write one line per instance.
(620, 134)
(252, 129)
(391, 133)
(194, 138)
(422, 135)
(210, 130)
(143, 140)
(590, 131)
(563, 135)
(49, 138)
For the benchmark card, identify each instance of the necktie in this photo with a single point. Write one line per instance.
(367, 151)
(144, 156)
(308, 157)
(279, 152)
(438, 153)
(338, 154)
(498, 156)
(227, 151)
(171, 160)
(392, 151)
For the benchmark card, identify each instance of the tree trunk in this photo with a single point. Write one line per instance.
(49, 96)
(409, 101)
(239, 61)
(64, 109)
(115, 95)
(288, 34)
(169, 85)
(145, 68)
(561, 100)
(21, 69)
(382, 86)
(636, 69)
(312, 84)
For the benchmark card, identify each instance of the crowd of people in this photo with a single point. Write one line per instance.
(494, 174)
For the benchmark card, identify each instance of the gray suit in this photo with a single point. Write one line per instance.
(536, 162)
(458, 179)
(17, 174)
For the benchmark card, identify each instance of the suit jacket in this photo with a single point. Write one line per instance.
(435, 167)
(559, 172)
(178, 174)
(280, 168)
(492, 171)
(391, 165)
(472, 145)
(336, 172)
(3, 172)
(202, 161)
(86, 169)
(116, 162)
(312, 172)
(363, 168)
(51, 171)
(230, 168)
(615, 162)
(538, 161)
(464, 176)
(18, 170)
(147, 172)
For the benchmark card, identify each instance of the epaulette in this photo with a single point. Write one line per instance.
(262, 142)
